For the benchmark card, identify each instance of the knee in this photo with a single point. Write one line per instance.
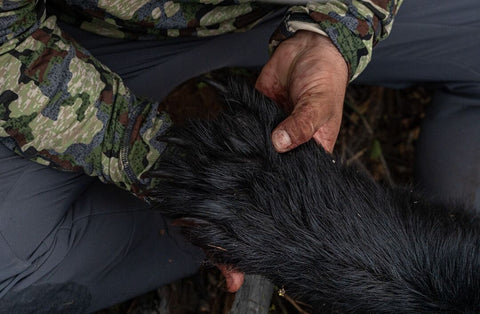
(448, 149)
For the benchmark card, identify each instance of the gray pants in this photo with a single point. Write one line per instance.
(68, 236)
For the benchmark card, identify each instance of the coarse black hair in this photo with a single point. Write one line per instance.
(326, 232)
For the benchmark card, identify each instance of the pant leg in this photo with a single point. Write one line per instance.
(119, 248)
(69, 243)
(153, 68)
(448, 152)
(438, 43)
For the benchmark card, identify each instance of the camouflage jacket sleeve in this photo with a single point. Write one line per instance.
(354, 26)
(60, 107)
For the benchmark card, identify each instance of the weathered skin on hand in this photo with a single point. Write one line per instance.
(307, 75)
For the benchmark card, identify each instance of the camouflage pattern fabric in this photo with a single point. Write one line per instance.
(159, 19)
(64, 109)
(60, 107)
(354, 26)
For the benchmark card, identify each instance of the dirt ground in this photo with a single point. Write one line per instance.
(379, 132)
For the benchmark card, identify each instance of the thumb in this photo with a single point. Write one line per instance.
(234, 279)
(300, 127)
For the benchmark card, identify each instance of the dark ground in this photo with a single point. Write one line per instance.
(379, 132)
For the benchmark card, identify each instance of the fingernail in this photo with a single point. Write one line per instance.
(281, 140)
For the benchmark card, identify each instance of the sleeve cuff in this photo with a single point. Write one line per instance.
(354, 29)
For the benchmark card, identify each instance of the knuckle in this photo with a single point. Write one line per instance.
(302, 129)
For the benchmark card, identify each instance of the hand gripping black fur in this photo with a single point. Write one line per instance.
(328, 233)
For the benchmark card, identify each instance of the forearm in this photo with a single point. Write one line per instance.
(354, 28)
(65, 109)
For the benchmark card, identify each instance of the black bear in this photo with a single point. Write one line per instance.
(326, 232)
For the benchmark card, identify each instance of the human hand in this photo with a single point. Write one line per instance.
(233, 278)
(308, 76)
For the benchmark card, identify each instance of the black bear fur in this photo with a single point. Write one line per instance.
(326, 232)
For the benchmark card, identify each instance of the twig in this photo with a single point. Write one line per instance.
(356, 156)
(369, 129)
(359, 164)
(362, 117)
(295, 305)
(278, 302)
(388, 174)
(217, 247)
